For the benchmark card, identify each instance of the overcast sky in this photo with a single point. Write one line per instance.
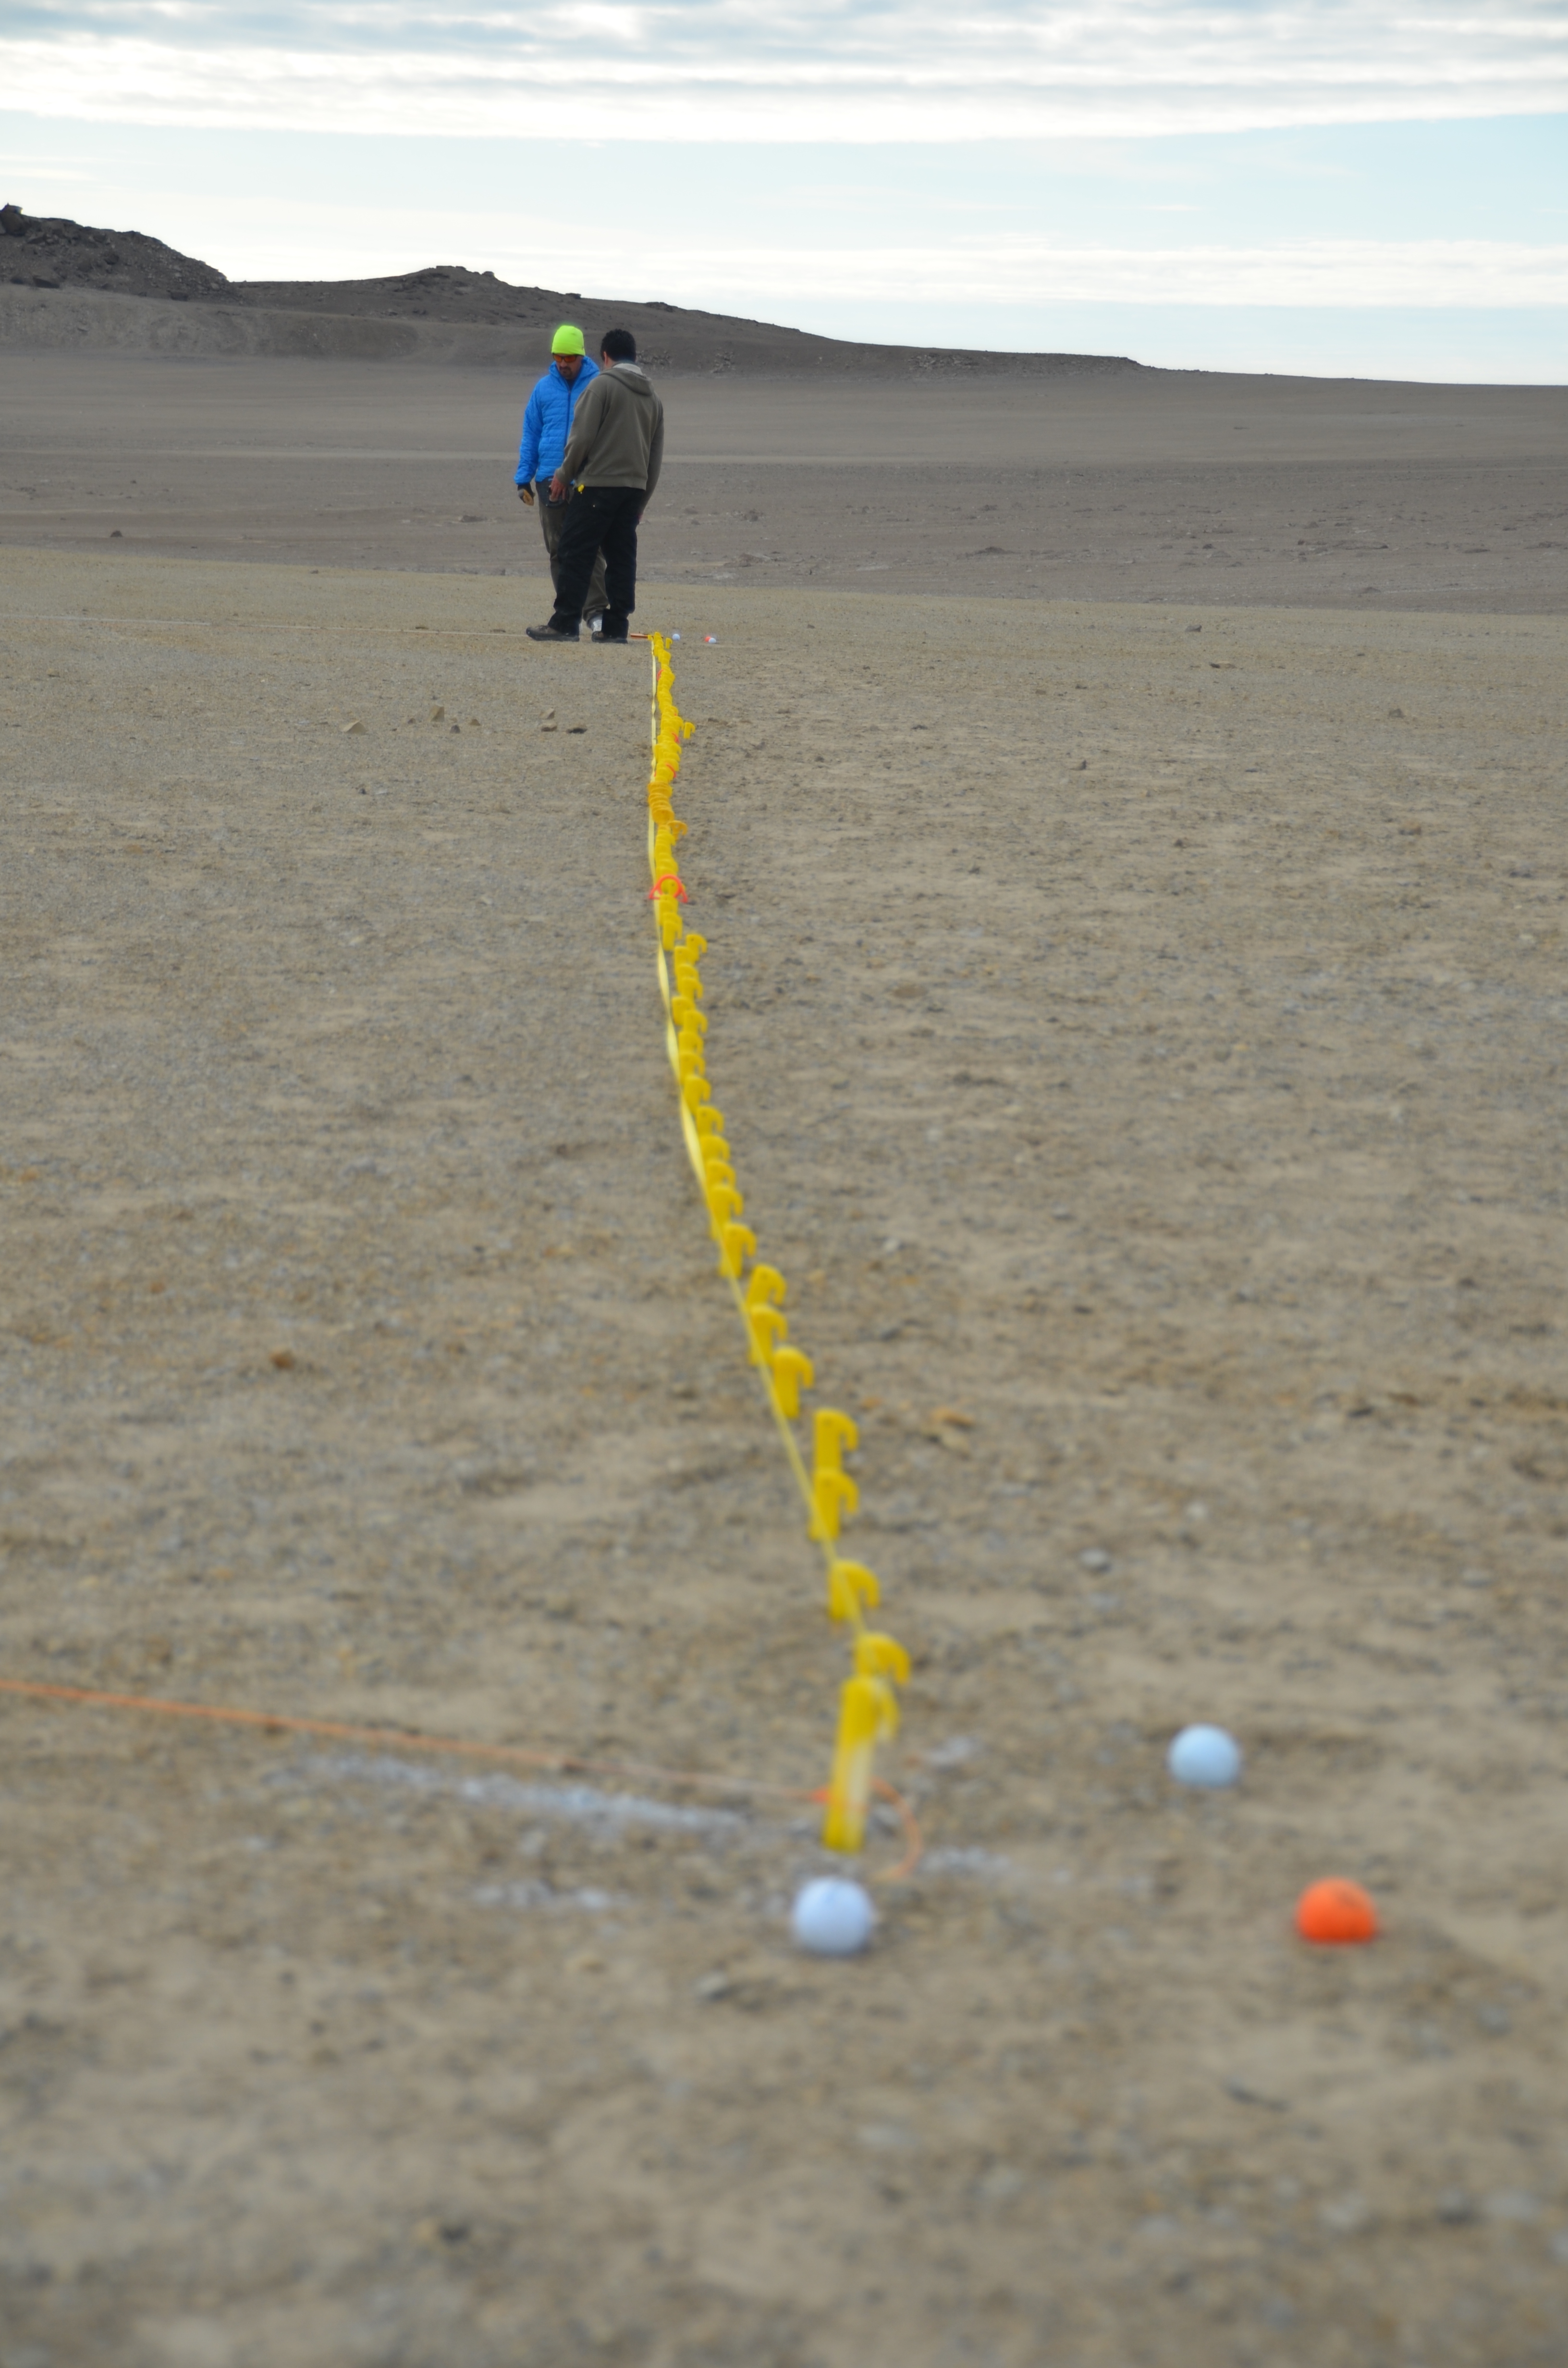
(1322, 186)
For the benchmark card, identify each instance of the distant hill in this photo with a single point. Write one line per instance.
(73, 282)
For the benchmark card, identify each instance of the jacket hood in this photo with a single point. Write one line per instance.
(634, 378)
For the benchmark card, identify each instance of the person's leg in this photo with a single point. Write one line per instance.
(581, 535)
(596, 603)
(550, 517)
(620, 560)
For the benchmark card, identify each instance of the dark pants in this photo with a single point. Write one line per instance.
(552, 518)
(599, 518)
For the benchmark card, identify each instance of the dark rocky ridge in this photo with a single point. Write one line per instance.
(47, 251)
(400, 318)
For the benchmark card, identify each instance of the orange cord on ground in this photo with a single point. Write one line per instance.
(387, 1739)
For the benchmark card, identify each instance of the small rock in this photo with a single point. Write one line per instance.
(456, 727)
(1513, 2203)
(434, 2233)
(115, 535)
(283, 1359)
(712, 1987)
(1346, 2215)
(1454, 2207)
(355, 726)
(1095, 1558)
(954, 1752)
(438, 715)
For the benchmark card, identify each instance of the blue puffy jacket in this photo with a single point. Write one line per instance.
(547, 422)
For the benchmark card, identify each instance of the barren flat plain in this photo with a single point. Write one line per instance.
(1127, 484)
(1139, 1021)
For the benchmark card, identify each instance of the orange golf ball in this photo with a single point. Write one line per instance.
(1335, 1914)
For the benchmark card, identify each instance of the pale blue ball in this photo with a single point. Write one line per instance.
(833, 1918)
(1205, 1755)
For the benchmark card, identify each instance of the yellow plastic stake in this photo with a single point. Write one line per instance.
(833, 1495)
(736, 1243)
(765, 1286)
(723, 1204)
(878, 1659)
(768, 1326)
(694, 1091)
(851, 1589)
(882, 1657)
(710, 1122)
(849, 1791)
(791, 1374)
(684, 1014)
(834, 1434)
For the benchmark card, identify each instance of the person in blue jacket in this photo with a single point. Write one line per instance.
(546, 423)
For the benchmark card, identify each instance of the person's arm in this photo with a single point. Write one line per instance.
(655, 459)
(527, 450)
(585, 428)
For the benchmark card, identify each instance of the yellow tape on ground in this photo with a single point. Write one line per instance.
(867, 1705)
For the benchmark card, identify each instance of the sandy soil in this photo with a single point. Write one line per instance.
(1141, 1034)
(1190, 490)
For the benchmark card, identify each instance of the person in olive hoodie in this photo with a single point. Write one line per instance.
(611, 463)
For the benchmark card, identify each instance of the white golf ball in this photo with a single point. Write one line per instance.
(833, 1918)
(1205, 1755)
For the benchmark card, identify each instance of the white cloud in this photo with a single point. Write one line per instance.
(728, 70)
(1475, 274)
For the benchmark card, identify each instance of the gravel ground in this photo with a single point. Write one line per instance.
(1142, 1043)
(1187, 488)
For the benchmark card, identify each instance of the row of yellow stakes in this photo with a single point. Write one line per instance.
(867, 1705)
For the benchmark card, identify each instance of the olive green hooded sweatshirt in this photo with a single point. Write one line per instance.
(617, 432)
